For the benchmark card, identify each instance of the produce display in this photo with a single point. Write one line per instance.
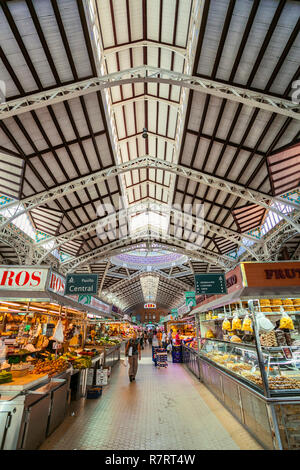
(108, 342)
(5, 377)
(50, 366)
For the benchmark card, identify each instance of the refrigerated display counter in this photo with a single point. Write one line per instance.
(31, 408)
(254, 373)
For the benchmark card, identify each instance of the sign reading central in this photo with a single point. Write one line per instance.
(81, 284)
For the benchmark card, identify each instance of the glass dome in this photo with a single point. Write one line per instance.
(156, 259)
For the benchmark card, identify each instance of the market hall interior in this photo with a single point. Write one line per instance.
(150, 204)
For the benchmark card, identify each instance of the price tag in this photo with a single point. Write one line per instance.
(101, 377)
(288, 353)
(90, 377)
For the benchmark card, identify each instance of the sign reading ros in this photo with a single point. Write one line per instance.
(16, 278)
(57, 284)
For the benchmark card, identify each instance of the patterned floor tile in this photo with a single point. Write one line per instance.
(165, 409)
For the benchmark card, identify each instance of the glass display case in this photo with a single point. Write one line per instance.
(281, 365)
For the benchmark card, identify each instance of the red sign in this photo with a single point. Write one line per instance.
(23, 278)
(57, 284)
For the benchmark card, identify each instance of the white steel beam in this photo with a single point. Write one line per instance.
(103, 252)
(143, 43)
(229, 234)
(133, 137)
(150, 74)
(250, 195)
(143, 98)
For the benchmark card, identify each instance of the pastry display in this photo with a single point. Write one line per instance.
(235, 339)
(280, 337)
(247, 324)
(286, 322)
(226, 325)
(236, 323)
(269, 340)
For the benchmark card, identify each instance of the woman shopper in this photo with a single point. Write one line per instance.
(145, 337)
(164, 340)
(177, 339)
(133, 352)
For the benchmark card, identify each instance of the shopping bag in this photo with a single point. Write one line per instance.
(58, 334)
(263, 323)
(125, 362)
(130, 351)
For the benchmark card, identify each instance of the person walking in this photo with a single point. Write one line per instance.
(145, 337)
(164, 340)
(150, 337)
(133, 352)
(141, 338)
(170, 337)
(159, 337)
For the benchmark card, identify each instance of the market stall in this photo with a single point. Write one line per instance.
(187, 337)
(42, 337)
(249, 350)
(104, 337)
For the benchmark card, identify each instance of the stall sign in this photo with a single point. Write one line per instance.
(174, 313)
(95, 303)
(183, 309)
(210, 283)
(101, 376)
(280, 274)
(57, 284)
(77, 284)
(190, 299)
(234, 282)
(149, 305)
(23, 278)
(90, 377)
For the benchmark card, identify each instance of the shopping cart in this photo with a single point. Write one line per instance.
(159, 356)
(162, 359)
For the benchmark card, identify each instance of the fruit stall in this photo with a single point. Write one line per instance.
(249, 349)
(43, 359)
(100, 338)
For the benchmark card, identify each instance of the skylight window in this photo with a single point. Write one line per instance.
(149, 220)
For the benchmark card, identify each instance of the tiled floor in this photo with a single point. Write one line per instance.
(164, 409)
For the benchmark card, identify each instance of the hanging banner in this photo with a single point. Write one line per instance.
(174, 313)
(190, 299)
(183, 309)
(210, 283)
